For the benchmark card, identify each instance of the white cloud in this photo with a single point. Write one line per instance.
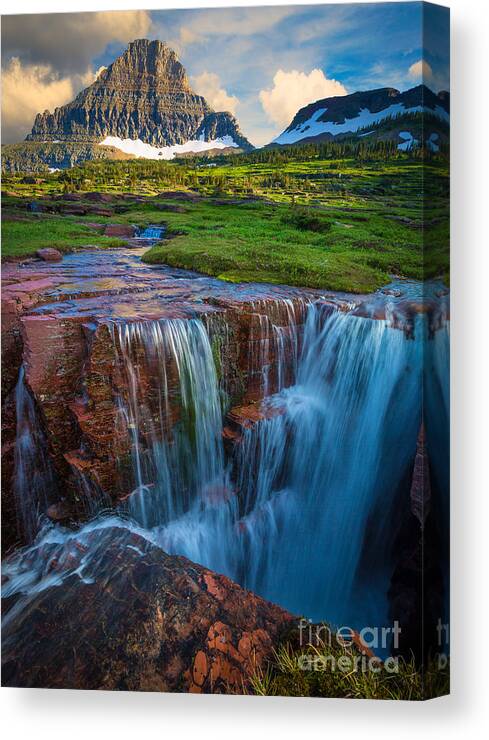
(233, 21)
(69, 41)
(98, 72)
(293, 90)
(48, 60)
(33, 88)
(208, 84)
(81, 81)
(26, 91)
(189, 36)
(420, 70)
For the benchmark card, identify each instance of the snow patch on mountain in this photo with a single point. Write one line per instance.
(146, 151)
(314, 127)
(408, 141)
(432, 142)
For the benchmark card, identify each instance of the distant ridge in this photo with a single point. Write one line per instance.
(346, 115)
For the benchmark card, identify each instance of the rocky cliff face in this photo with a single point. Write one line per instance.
(218, 125)
(67, 350)
(145, 94)
(38, 156)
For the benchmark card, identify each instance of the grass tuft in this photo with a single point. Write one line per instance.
(286, 675)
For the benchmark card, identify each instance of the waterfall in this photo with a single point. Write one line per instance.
(274, 344)
(306, 511)
(34, 482)
(181, 466)
(315, 482)
(151, 232)
(327, 468)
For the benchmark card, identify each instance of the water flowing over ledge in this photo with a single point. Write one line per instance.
(266, 433)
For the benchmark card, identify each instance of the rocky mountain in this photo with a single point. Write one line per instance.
(363, 113)
(144, 95)
(220, 125)
(38, 156)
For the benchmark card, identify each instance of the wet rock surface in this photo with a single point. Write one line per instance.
(121, 614)
(72, 364)
(121, 230)
(49, 255)
(58, 319)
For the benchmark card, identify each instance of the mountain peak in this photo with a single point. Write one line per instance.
(147, 66)
(144, 95)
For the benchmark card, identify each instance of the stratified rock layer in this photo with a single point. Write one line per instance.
(58, 320)
(145, 94)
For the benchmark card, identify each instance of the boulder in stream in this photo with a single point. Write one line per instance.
(48, 254)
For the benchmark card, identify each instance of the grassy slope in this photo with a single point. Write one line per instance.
(254, 242)
(370, 218)
(374, 211)
(284, 676)
(24, 238)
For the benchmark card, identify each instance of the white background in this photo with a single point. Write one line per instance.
(54, 714)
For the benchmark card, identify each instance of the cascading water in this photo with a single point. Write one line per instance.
(310, 478)
(174, 469)
(274, 347)
(151, 232)
(182, 483)
(330, 459)
(315, 482)
(34, 482)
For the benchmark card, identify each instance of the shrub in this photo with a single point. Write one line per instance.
(303, 219)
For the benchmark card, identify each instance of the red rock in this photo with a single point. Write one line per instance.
(97, 197)
(49, 254)
(213, 587)
(177, 635)
(240, 418)
(59, 512)
(200, 669)
(73, 210)
(178, 195)
(121, 230)
(100, 212)
(78, 461)
(230, 435)
(70, 197)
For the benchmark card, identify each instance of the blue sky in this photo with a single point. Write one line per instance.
(262, 63)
